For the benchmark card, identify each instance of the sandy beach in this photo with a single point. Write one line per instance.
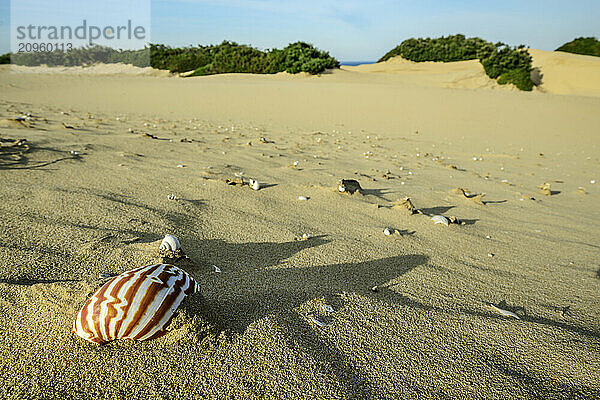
(115, 158)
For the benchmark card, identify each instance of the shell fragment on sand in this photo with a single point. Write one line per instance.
(317, 322)
(254, 184)
(545, 189)
(302, 198)
(440, 219)
(235, 182)
(477, 198)
(137, 304)
(504, 312)
(406, 205)
(170, 242)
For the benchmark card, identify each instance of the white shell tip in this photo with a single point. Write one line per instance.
(440, 219)
(170, 242)
(302, 198)
(388, 231)
(306, 236)
(255, 185)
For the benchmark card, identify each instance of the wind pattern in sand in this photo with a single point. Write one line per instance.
(137, 304)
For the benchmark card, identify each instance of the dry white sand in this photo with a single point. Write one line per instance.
(427, 332)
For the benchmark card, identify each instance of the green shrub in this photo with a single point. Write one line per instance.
(296, 57)
(445, 49)
(589, 46)
(5, 58)
(518, 77)
(303, 57)
(507, 59)
(497, 59)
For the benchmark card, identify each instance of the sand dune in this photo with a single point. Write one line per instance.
(565, 73)
(112, 163)
(462, 74)
(562, 73)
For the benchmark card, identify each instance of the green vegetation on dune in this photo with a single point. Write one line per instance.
(231, 57)
(518, 77)
(444, 49)
(82, 57)
(512, 63)
(589, 46)
(227, 57)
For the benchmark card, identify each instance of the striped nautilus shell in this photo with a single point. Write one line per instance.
(137, 304)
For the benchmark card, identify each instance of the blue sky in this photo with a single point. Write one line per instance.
(360, 30)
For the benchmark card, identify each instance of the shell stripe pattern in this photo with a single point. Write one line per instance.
(137, 304)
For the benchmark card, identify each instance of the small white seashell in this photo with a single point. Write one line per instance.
(440, 219)
(217, 269)
(328, 308)
(317, 322)
(180, 166)
(341, 189)
(255, 185)
(592, 181)
(306, 236)
(303, 198)
(170, 242)
(75, 153)
(295, 163)
(173, 197)
(104, 276)
(388, 231)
